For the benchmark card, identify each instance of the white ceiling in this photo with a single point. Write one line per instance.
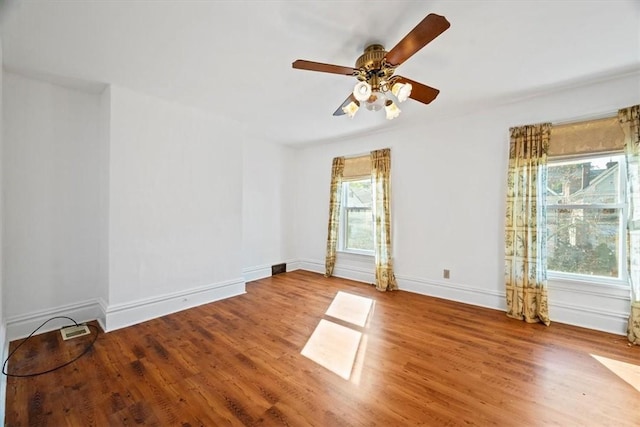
(234, 57)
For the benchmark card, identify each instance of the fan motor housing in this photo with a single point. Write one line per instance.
(372, 57)
(372, 65)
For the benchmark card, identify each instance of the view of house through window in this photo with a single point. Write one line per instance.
(586, 216)
(357, 216)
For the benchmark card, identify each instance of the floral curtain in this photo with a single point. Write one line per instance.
(630, 122)
(380, 176)
(525, 226)
(334, 214)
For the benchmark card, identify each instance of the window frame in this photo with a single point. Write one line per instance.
(621, 206)
(342, 228)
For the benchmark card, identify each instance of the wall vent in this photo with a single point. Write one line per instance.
(278, 268)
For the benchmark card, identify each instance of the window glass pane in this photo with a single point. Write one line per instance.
(359, 194)
(359, 229)
(357, 216)
(583, 241)
(586, 181)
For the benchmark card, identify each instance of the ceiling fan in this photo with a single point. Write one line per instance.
(377, 85)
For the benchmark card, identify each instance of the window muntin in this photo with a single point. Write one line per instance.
(356, 223)
(586, 219)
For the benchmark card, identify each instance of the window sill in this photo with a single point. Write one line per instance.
(601, 282)
(368, 254)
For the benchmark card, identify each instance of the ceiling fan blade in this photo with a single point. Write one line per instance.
(427, 30)
(419, 91)
(301, 64)
(340, 111)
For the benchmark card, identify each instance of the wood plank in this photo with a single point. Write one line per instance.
(237, 362)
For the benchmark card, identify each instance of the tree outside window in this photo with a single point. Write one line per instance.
(357, 216)
(585, 216)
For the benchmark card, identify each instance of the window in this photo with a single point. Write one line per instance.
(356, 222)
(586, 221)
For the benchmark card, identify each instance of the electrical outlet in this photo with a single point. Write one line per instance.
(446, 273)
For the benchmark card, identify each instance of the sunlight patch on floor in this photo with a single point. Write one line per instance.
(341, 349)
(334, 347)
(350, 308)
(356, 372)
(627, 371)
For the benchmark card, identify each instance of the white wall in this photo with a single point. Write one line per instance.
(175, 208)
(119, 206)
(125, 207)
(104, 135)
(267, 203)
(448, 185)
(4, 344)
(51, 196)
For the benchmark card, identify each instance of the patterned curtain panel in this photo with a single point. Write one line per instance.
(380, 175)
(630, 122)
(334, 214)
(525, 227)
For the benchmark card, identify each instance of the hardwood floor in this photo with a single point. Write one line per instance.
(238, 362)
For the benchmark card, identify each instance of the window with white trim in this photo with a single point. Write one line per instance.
(586, 217)
(356, 222)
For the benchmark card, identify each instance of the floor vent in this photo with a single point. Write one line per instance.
(278, 268)
(74, 332)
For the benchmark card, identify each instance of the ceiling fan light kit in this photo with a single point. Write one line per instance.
(392, 110)
(402, 91)
(351, 108)
(377, 86)
(362, 91)
(376, 101)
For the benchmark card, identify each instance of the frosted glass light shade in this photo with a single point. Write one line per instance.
(392, 110)
(402, 91)
(351, 109)
(362, 91)
(376, 101)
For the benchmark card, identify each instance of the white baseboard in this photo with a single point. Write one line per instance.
(256, 273)
(589, 317)
(445, 290)
(112, 317)
(340, 270)
(293, 265)
(21, 326)
(453, 292)
(588, 312)
(118, 316)
(310, 265)
(590, 305)
(102, 315)
(354, 273)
